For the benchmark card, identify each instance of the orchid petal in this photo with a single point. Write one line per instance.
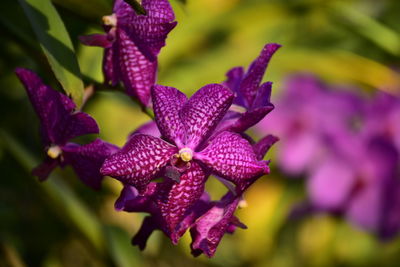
(232, 157)
(137, 73)
(262, 147)
(167, 101)
(86, 160)
(100, 40)
(255, 73)
(176, 198)
(139, 160)
(204, 110)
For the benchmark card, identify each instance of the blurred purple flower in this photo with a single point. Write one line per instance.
(252, 100)
(132, 43)
(60, 123)
(347, 145)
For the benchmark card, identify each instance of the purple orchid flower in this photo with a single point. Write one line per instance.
(208, 220)
(132, 43)
(252, 99)
(60, 123)
(185, 125)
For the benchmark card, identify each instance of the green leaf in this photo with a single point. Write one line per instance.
(56, 44)
(136, 6)
(61, 197)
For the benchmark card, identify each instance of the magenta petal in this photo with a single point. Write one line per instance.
(255, 73)
(45, 168)
(86, 160)
(261, 147)
(131, 201)
(249, 118)
(137, 72)
(232, 157)
(204, 111)
(149, 128)
(211, 227)
(111, 65)
(139, 160)
(167, 101)
(100, 40)
(330, 184)
(176, 198)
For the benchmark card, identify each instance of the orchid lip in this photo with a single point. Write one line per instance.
(54, 151)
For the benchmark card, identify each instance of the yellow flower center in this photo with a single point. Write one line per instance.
(54, 151)
(186, 154)
(110, 20)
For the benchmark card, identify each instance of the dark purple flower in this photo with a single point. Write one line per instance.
(60, 123)
(252, 99)
(132, 43)
(185, 125)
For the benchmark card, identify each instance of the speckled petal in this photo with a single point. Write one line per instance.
(86, 160)
(167, 101)
(255, 73)
(211, 227)
(232, 157)
(174, 199)
(110, 68)
(55, 111)
(139, 160)
(137, 72)
(149, 128)
(204, 111)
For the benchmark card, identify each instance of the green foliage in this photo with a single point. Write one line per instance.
(56, 44)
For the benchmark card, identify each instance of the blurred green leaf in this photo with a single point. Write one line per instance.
(62, 197)
(56, 44)
(121, 250)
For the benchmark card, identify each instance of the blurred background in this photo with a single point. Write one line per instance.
(63, 223)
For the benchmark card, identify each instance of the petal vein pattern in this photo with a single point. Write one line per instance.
(232, 157)
(139, 160)
(203, 111)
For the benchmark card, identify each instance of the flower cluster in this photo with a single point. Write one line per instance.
(348, 145)
(189, 140)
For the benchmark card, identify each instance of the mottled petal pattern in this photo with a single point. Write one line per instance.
(211, 227)
(174, 199)
(139, 160)
(232, 157)
(255, 73)
(167, 101)
(137, 72)
(87, 160)
(204, 111)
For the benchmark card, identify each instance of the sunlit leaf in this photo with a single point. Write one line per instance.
(56, 44)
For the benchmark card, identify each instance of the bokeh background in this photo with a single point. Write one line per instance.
(63, 223)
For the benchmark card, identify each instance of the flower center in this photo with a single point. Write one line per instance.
(186, 154)
(110, 20)
(54, 151)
